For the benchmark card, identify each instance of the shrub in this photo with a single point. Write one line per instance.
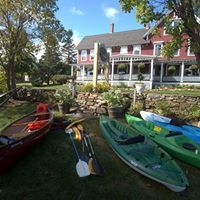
(135, 109)
(103, 87)
(64, 96)
(163, 108)
(193, 113)
(114, 98)
(60, 78)
(36, 81)
(88, 87)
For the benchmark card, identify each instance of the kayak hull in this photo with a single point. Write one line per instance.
(173, 142)
(190, 131)
(145, 156)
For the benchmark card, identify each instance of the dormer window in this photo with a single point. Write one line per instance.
(92, 55)
(137, 49)
(173, 24)
(189, 51)
(123, 50)
(83, 55)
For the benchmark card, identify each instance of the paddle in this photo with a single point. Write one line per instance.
(74, 123)
(84, 141)
(94, 166)
(82, 168)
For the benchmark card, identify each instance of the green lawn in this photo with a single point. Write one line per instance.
(191, 92)
(46, 87)
(48, 172)
(183, 91)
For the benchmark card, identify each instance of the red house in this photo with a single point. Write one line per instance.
(136, 46)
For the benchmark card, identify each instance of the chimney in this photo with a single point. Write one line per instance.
(147, 26)
(111, 28)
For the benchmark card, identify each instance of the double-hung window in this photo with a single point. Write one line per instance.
(83, 55)
(158, 49)
(177, 52)
(109, 50)
(137, 49)
(91, 54)
(123, 50)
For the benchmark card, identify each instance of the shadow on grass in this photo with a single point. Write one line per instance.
(48, 172)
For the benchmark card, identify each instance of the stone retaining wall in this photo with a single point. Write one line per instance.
(94, 104)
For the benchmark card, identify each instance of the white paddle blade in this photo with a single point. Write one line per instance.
(82, 168)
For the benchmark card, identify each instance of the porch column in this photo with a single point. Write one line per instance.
(83, 73)
(161, 72)
(151, 75)
(112, 70)
(131, 69)
(72, 70)
(182, 71)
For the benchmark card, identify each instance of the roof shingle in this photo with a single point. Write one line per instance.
(114, 39)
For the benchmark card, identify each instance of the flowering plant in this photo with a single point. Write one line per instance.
(113, 98)
(64, 96)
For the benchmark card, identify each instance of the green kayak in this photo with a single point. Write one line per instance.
(142, 154)
(174, 143)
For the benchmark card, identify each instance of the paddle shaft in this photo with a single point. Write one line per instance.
(94, 165)
(88, 148)
(90, 144)
(74, 146)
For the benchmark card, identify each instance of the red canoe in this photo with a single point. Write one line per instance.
(17, 138)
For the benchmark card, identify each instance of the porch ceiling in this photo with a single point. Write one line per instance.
(128, 57)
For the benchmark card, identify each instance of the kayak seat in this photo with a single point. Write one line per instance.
(178, 122)
(189, 146)
(173, 133)
(131, 140)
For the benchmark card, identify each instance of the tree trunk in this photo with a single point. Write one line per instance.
(10, 72)
(8, 78)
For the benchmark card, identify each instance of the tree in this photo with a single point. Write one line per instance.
(51, 58)
(150, 11)
(19, 22)
(25, 62)
(68, 48)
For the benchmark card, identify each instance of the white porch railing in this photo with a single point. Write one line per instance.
(171, 78)
(191, 79)
(147, 77)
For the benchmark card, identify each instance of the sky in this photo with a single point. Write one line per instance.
(92, 17)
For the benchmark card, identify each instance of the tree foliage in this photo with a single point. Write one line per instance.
(20, 23)
(68, 48)
(150, 11)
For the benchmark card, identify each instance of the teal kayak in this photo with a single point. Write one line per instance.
(142, 154)
(175, 143)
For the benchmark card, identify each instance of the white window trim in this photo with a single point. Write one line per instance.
(82, 56)
(91, 54)
(109, 50)
(154, 49)
(124, 48)
(164, 32)
(178, 54)
(137, 47)
(189, 52)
